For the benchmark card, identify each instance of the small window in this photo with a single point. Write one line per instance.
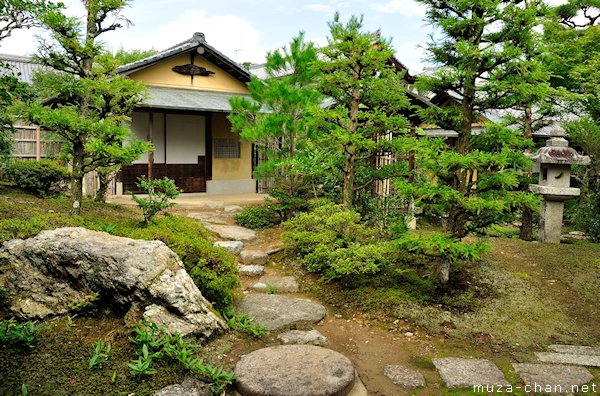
(227, 148)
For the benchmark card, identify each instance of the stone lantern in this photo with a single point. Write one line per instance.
(553, 163)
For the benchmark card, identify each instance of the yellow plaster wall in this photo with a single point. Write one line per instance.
(230, 168)
(162, 75)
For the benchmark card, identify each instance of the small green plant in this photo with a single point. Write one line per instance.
(256, 217)
(243, 323)
(24, 391)
(87, 303)
(100, 354)
(143, 364)
(159, 191)
(19, 335)
(272, 288)
(41, 178)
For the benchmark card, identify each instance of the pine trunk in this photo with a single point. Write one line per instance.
(526, 229)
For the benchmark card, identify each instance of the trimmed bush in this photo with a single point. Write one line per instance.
(41, 178)
(160, 192)
(332, 241)
(256, 217)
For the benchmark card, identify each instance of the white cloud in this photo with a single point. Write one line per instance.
(409, 8)
(320, 8)
(231, 34)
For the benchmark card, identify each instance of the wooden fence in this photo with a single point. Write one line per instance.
(31, 143)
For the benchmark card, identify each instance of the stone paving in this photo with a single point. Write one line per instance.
(303, 366)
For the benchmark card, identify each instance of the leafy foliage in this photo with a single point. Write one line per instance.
(100, 354)
(332, 241)
(243, 323)
(152, 342)
(159, 191)
(256, 217)
(19, 335)
(42, 178)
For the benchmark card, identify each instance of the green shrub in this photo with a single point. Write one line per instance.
(213, 269)
(332, 241)
(19, 335)
(159, 191)
(41, 178)
(243, 323)
(256, 217)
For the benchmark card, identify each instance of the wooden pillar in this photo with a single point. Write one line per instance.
(38, 143)
(149, 138)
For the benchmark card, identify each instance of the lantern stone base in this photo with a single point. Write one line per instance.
(551, 218)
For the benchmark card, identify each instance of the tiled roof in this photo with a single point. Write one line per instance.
(23, 65)
(188, 99)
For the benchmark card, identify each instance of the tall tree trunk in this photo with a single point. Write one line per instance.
(104, 182)
(526, 230)
(77, 185)
(349, 176)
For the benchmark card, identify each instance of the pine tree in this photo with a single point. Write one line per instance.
(276, 120)
(367, 98)
(480, 49)
(84, 101)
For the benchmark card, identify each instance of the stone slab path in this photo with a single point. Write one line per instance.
(294, 370)
(280, 284)
(404, 376)
(276, 311)
(299, 337)
(566, 358)
(466, 373)
(234, 233)
(575, 349)
(555, 378)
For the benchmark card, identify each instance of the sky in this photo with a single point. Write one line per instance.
(245, 30)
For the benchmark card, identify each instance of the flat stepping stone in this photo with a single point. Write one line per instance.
(405, 377)
(234, 247)
(189, 387)
(299, 337)
(553, 378)
(233, 208)
(275, 311)
(566, 358)
(257, 257)
(208, 218)
(234, 233)
(280, 284)
(294, 370)
(575, 349)
(212, 204)
(251, 270)
(466, 373)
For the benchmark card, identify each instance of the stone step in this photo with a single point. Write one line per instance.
(251, 270)
(234, 247)
(566, 358)
(466, 373)
(299, 337)
(257, 257)
(276, 311)
(276, 284)
(294, 370)
(404, 376)
(553, 378)
(234, 233)
(575, 349)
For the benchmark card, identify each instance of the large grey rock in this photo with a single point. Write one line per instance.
(294, 370)
(189, 387)
(256, 257)
(251, 270)
(567, 358)
(403, 376)
(280, 284)
(299, 337)
(276, 311)
(553, 378)
(48, 274)
(575, 349)
(235, 233)
(234, 247)
(466, 373)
